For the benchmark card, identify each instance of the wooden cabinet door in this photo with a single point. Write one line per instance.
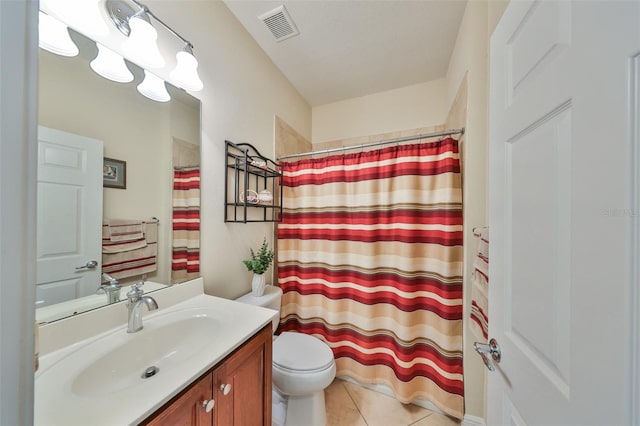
(246, 377)
(240, 387)
(188, 409)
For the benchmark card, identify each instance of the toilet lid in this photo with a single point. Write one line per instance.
(301, 352)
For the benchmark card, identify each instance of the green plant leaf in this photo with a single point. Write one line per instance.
(260, 261)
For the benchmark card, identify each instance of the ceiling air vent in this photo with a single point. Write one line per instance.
(279, 23)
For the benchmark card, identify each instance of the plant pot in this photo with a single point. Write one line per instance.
(257, 285)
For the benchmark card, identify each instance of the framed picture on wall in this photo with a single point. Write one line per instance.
(114, 173)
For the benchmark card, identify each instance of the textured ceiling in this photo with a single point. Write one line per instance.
(354, 48)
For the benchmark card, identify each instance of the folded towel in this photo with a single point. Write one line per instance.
(110, 247)
(131, 263)
(480, 286)
(131, 258)
(125, 230)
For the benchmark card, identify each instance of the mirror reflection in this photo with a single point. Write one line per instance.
(118, 186)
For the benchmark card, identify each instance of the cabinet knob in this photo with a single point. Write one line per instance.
(208, 405)
(225, 389)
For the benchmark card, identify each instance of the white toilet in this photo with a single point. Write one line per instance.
(303, 366)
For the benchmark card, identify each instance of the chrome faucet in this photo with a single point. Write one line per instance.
(136, 299)
(111, 290)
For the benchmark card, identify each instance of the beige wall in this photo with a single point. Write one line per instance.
(469, 65)
(243, 91)
(288, 140)
(363, 140)
(419, 105)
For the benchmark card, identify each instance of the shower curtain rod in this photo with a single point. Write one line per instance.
(366, 145)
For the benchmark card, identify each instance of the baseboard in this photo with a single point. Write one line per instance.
(472, 421)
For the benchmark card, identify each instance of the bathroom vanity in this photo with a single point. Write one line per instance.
(208, 362)
(237, 391)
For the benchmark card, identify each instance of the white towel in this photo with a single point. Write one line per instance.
(480, 286)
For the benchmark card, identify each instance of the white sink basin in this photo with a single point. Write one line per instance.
(164, 343)
(76, 383)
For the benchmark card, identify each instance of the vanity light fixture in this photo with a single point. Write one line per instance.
(110, 65)
(134, 20)
(153, 87)
(185, 74)
(54, 36)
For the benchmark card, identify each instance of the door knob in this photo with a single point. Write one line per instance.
(225, 389)
(89, 265)
(489, 353)
(208, 405)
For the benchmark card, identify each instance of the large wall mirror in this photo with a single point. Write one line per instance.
(140, 148)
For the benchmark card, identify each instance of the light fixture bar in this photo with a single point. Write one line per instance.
(171, 30)
(120, 11)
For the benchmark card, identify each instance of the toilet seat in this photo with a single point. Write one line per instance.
(302, 365)
(298, 352)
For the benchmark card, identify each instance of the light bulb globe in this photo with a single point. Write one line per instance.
(153, 87)
(54, 36)
(141, 47)
(185, 74)
(110, 65)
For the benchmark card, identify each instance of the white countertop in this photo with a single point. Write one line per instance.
(57, 401)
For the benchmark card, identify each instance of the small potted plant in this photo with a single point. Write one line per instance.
(259, 264)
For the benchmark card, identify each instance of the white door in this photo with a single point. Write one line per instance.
(560, 193)
(69, 217)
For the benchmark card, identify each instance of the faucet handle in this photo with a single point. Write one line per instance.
(140, 283)
(136, 291)
(112, 281)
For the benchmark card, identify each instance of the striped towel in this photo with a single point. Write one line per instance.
(124, 230)
(131, 258)
(480, 285)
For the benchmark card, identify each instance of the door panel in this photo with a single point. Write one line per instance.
(69, 216)
(559, 265)
(62, 236)
(537, 41)
(537, 275)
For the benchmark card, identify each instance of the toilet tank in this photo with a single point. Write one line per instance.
(270, 299)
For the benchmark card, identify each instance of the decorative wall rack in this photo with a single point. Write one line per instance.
(252, 185)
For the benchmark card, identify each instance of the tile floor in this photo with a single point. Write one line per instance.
(352, 405)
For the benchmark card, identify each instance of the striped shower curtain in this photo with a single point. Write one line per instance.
(185, 258)
(370, 261)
